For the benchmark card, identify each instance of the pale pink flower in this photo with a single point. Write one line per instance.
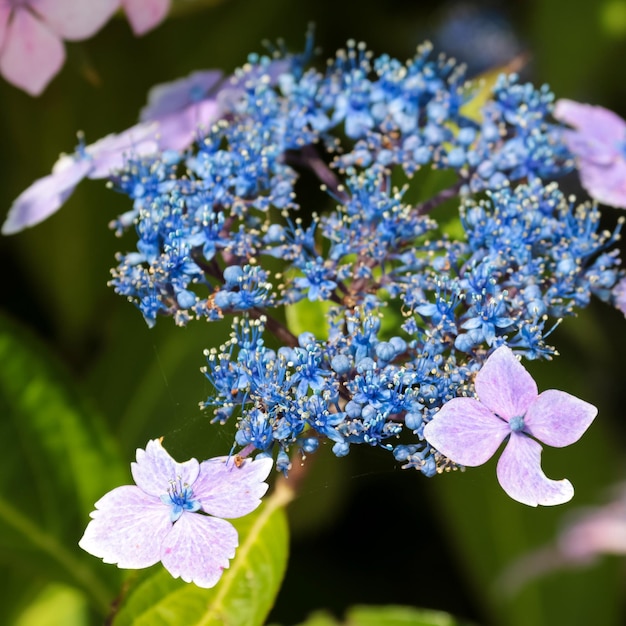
(469, 431)
(598, 141)
(175, 514)
(587, 534)
(144, 15)
(32, 34)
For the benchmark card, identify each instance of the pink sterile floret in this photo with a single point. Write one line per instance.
(469, 431)
(174, 514)
(598, 141)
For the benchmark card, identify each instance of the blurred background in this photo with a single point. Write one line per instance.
(363, 531)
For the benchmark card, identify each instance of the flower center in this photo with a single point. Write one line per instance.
(180, 498)
(517, 423)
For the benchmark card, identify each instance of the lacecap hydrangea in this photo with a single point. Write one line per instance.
(435, 234)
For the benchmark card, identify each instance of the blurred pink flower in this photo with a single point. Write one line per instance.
(144, 15)
(32, 33)
(595, 531)
(588, 533)
(598, 141)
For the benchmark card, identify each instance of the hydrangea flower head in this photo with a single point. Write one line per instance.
(174, 514)
(469, 431)
(599, 143)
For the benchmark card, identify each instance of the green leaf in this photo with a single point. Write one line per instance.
(56, 460)
(306, 316)
(56, 604)
(320, 618)
(385, 616)
(397, 616)
(244, 595)
(483, 85)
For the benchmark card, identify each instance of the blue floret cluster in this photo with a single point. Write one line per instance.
(438, 235)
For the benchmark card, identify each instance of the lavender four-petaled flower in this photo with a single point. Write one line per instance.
(469, 431)
(174, 514)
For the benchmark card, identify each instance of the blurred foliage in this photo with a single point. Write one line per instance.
(97, 383)
(384, 616)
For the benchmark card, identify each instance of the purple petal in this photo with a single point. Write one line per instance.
(559, 419)
(596, 531)
(504, 385)
(5, 12)
(75, 19)
(179, 130)
(144, 15)
(127, 528)
(171, 97)
(619, 293)
(595, 122)
(590, 149)
(111, 152)
(32, 54)
(229, 491)
(155, 469)
(198, 549)
(606, 184)
(520, 474)
(594, 536)
(45, 196)
(466, 431)
(48, 194)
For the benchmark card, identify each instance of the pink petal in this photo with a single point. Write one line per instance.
(595, 122)
(466, 432)
(144, 15)
(5, 12)
(179, 130)
(32, 53)
(520, 474)
(112, 152)
(602, 531)
(558, 419)
(619, 293)
(229, 491)
(127, 528)
(504, 385)
(45, 196)
(75, 19)
(198, 549)
(155, 469)
(171, 97)
(589, 149)
(605, 184)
